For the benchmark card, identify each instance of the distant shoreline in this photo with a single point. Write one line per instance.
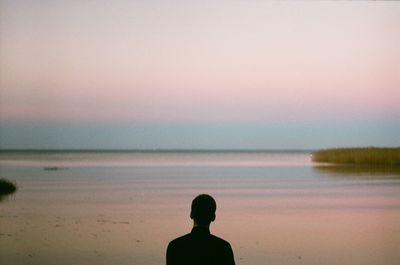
(379, 156)
(156, 151)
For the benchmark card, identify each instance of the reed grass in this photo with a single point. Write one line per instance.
(7, 187)
(359, 156)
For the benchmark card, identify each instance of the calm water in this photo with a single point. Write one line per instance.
(124, 208)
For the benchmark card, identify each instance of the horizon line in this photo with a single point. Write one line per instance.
(150, 150)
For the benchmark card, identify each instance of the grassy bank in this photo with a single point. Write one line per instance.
(7, 187)
(359, 156)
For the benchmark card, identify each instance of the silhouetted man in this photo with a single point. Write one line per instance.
(200, 247)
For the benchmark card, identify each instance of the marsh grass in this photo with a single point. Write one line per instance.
(372, 156)
(7, 187)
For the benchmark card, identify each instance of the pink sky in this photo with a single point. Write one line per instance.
(226, 61)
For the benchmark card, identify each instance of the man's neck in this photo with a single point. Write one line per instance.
(202, 226)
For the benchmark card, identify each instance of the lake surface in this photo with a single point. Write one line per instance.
(124, 207)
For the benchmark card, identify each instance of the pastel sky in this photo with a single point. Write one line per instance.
(199, 74)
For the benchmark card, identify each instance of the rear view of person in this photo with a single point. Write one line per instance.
(200, 247)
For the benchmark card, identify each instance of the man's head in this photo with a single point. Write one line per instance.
(203, 209)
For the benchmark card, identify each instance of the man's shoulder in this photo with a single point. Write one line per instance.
(212, 239)
(180, 240)
(220, 241)
(188, 237)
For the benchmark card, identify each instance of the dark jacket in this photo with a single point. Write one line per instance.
(199, 248)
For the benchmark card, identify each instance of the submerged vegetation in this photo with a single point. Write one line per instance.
(54, 168)
(6, 187)
(372, 156)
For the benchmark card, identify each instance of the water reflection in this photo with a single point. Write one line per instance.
(127, 212)
(359, 171)
(4, 197)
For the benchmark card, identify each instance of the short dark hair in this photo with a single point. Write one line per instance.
(203, 209)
